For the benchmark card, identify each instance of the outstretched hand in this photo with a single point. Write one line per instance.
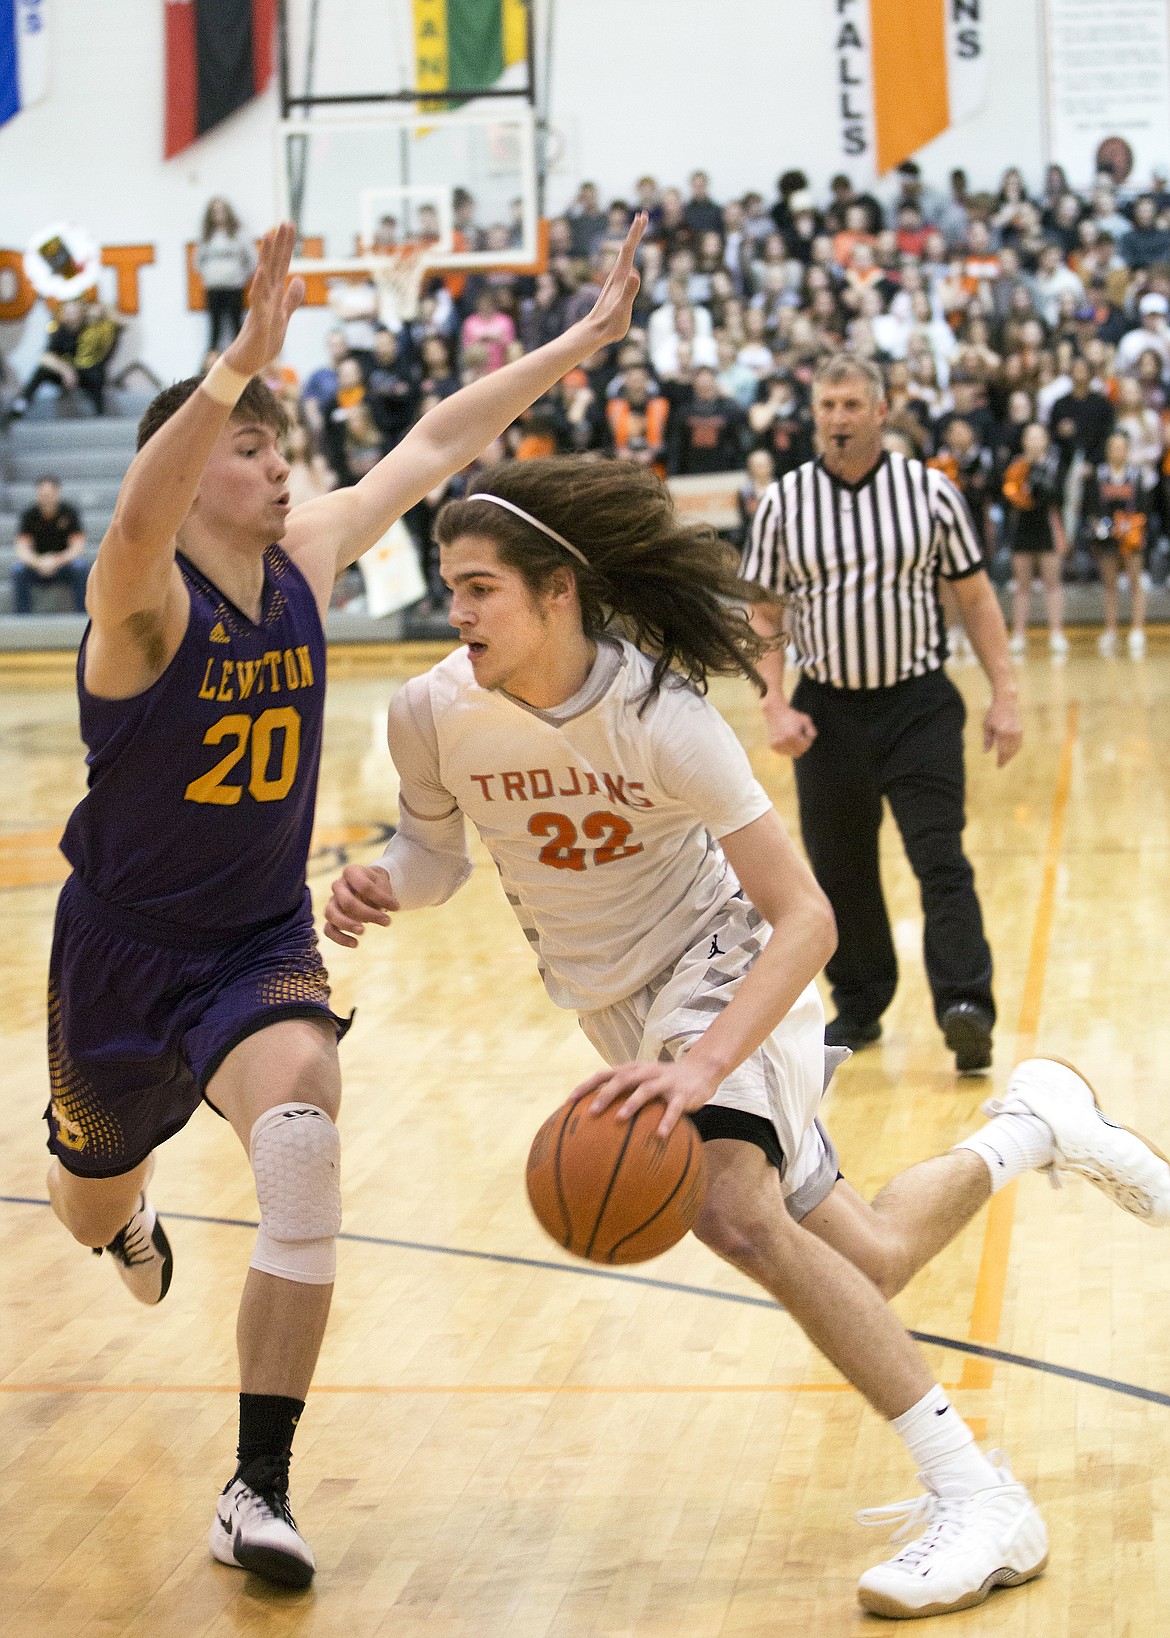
(361, 894)
(683, 1085)
(273, 298)
(614, 308)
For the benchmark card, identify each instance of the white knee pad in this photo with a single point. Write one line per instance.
(295, 1150)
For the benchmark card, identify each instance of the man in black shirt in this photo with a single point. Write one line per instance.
(49, 544)
(707, 433)
(1082, 420)
(391, 390)
(781, 424)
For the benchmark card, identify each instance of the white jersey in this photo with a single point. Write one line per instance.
(603, 823)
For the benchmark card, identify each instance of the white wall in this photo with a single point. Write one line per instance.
(746, 89)
(743, 88)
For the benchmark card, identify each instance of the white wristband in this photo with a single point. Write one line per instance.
(224, 384)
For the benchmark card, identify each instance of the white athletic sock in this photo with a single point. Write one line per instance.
(943, 1447)
(1012, 1144)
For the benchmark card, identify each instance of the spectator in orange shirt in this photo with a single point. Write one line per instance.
(638, 420)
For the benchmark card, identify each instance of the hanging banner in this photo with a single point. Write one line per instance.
(906, 71)
(1108, 86)
(24, 55)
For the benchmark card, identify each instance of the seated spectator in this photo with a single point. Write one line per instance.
(1117, 506)
(350, 395)
(1053, 280)
(363, 444)
(780, 422)
(50, 541)
(676, 320)
(803, 228)
(855, 232)
(391, 390)
(637, 417)
(100, 330)
(587, 223)
(708, 433)
(1145, 243)
(736, 377)
(490, 328)
(701, 213)
(542, 315)
(56, 365)
(981, 264)
(969, 403)
(1036, 536)
(309, 476)
(436, 377)
(912, 231)
(1151, 335)
(320, 390)
(760, 473)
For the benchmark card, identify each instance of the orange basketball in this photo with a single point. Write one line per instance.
(612, 1190)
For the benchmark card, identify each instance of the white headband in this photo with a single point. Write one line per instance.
(498, 500)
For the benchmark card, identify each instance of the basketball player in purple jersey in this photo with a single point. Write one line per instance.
(184, 962)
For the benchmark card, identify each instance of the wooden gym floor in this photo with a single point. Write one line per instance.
(501, 1443)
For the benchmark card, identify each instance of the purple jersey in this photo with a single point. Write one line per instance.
(201, 790)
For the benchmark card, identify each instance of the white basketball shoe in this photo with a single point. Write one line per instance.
(142, 1252)
(968, 1546)
(258, 1533)
(1120, 1162)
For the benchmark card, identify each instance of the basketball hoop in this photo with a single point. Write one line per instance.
(397, 274)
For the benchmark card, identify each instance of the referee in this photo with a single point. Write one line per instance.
(855, 542)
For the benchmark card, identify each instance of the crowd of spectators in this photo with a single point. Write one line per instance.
(1023, 336)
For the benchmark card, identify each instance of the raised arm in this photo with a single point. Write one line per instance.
(133, 572)
(327, 534)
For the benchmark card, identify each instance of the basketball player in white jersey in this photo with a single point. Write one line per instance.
(667, 906)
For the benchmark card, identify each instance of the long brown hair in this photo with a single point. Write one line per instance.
(672, 588)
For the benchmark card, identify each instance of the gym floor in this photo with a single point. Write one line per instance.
(502, 1442)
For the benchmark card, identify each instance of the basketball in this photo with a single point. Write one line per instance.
(613, 1191)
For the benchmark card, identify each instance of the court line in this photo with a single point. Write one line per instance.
(468, 1389)
(977, 1350)
(991, 1280)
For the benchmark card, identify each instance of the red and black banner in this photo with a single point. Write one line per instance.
(219, 56)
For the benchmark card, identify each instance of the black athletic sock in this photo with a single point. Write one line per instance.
(267, 1424)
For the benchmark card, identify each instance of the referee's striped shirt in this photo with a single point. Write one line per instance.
(858, 566)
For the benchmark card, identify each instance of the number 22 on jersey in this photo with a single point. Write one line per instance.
(561, 851)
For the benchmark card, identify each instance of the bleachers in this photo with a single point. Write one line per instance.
(90, 457)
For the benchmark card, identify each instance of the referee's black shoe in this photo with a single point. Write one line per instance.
(966, 1029)
(847, 1032)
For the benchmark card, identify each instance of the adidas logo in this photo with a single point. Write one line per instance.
(218, 634)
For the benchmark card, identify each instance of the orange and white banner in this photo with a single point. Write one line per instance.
(907, 70)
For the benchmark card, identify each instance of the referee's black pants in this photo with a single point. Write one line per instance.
(903, 744)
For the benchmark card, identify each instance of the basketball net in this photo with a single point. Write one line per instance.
(398, 273)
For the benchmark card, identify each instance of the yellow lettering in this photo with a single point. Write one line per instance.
(304, 660)
(246, 674)
(291, 675)
(225, 682)
(272, 661)
(206, 693)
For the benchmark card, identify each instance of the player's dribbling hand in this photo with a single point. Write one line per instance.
(273, 298)
(683, 1085)
(361, 894)
(613, 309)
